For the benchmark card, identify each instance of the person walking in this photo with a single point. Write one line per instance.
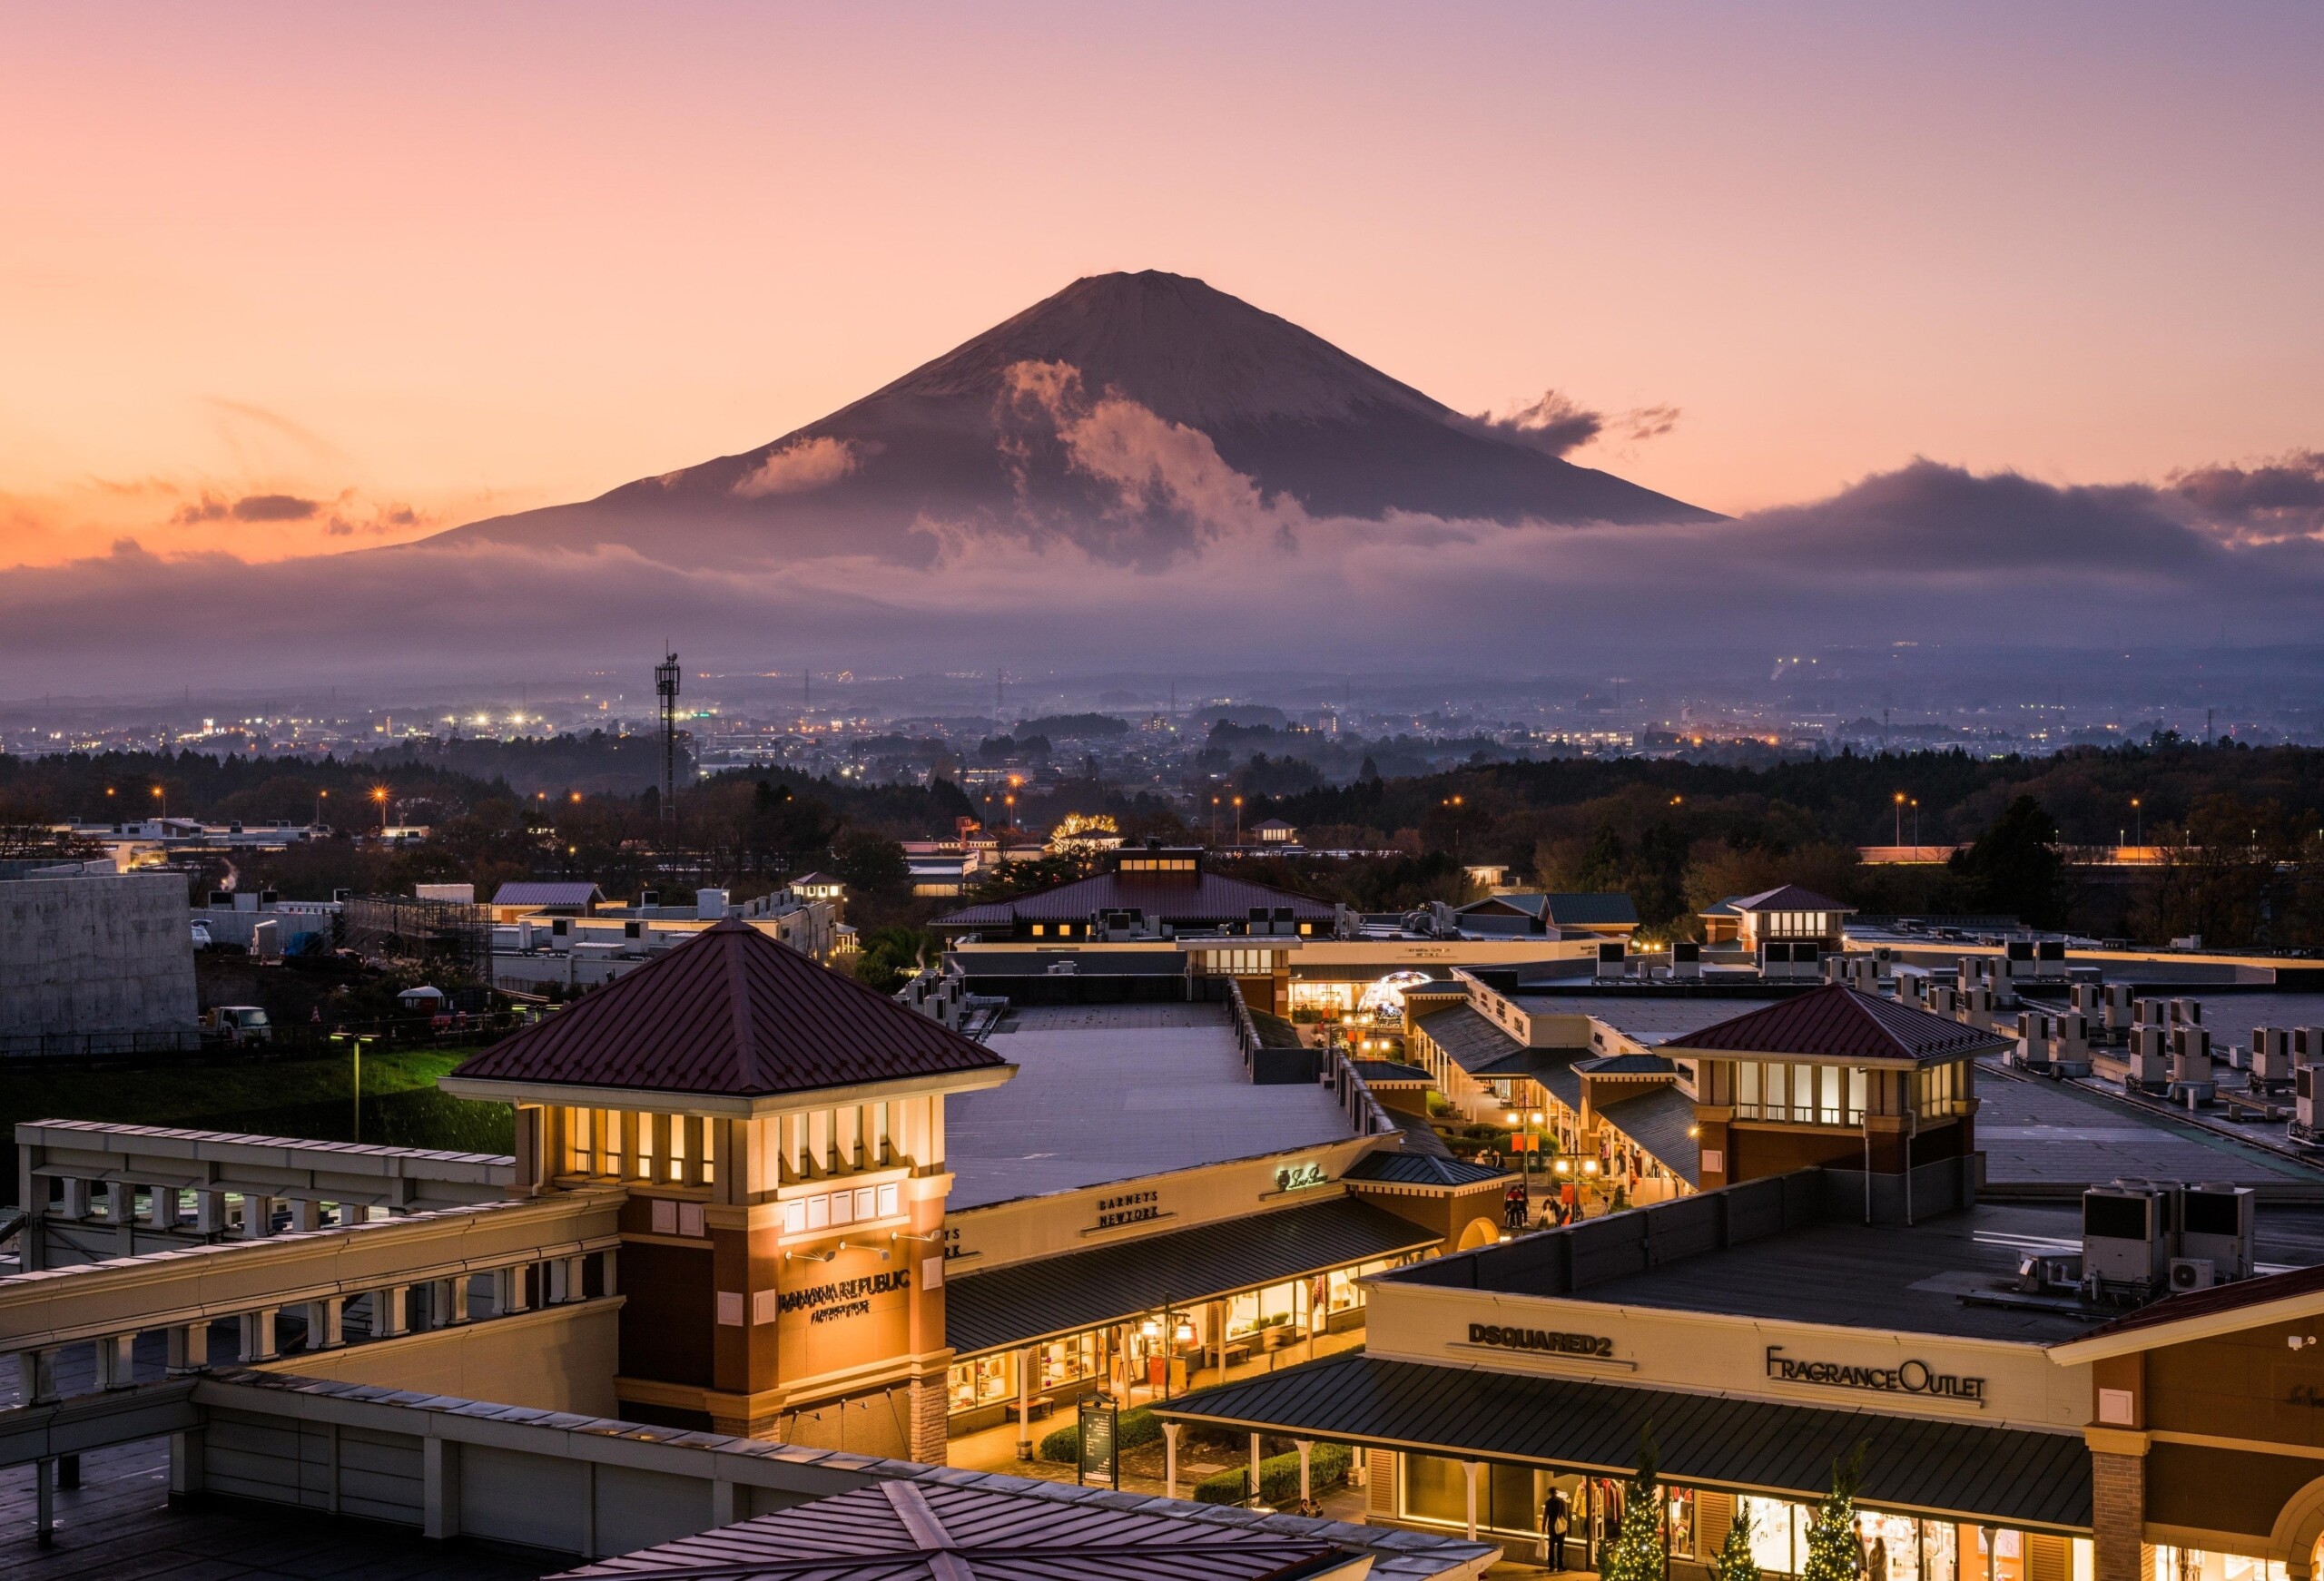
(1554, 1524)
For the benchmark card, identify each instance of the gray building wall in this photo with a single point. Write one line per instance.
(95, 953)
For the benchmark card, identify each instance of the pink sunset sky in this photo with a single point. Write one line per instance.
(276, 279)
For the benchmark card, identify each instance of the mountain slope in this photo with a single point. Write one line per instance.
(984, 438)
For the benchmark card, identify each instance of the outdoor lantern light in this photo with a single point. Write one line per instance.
(1565, 1166)
(1512, 1118)
(1186, 1335)
(1536, 1117)
(1589, 1166)
(1150, 1329)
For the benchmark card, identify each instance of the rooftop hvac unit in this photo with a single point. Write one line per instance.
(2049, 956)
(1611, 961)
(633, 930)
(648, 899)
(1686, 960)
(2149, 1057)
(2270, 1054)
(2189, 1012)
(2218, 1225)
(2126, 1235)
(2117, 1008)
(2304, 1085)
(2192, 1273)
(2191, 1055)
(2150, 1013)
(2308, 1045)
(2085, 997)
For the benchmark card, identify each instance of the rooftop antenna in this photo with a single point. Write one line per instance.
(665, 687)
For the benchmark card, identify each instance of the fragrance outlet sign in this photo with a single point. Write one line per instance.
(1913, 1378)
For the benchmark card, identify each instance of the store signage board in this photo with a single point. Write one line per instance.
(1100, 1449)
(1296, 1177)
(846, 1297)
(1915, 1378)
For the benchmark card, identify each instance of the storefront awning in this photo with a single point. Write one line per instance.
(1109, 1284)
(2001, 1476)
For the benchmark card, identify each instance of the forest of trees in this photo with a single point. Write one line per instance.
(2242, 828)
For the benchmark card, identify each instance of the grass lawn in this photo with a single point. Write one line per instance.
(289, 1097)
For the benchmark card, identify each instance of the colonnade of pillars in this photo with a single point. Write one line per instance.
(1306, 1447)
(208, 1211)
(390, 1310)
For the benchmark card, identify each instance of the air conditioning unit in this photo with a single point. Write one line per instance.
(2304, 1103)
(2117, 1006)
(1612, 961)
(2272, 1058)
(2192, 1273)
(1686, 959)
(2126, 1235)
(2219, 1226)
(2308, 1045)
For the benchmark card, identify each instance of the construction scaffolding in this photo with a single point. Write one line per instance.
(401, 928)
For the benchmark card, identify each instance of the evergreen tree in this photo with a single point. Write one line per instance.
(1733, 1562)
(1834, 1553)
(1635, 1552)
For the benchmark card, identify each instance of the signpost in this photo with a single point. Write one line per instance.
(1100, 1449)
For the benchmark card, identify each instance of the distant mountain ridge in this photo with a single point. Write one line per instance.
(983, 438)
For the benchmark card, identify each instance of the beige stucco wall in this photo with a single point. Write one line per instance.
(1711, 1353)
(1011, 1232)
(559, 1358)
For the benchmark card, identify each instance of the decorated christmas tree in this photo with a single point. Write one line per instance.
(1834, 1553)
(1733, 1562)
(1635, 1552)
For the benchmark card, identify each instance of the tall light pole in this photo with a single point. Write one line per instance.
(354, 1042)
(163, 796)
(319, 807)
(379, 795)
(2138, 828)
(1238, 821)
(1900, 818)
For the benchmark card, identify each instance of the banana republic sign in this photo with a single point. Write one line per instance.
(1905, 1378)
(843, 1298)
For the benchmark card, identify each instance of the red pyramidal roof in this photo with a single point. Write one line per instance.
(1837, 1023)
(731, 1013)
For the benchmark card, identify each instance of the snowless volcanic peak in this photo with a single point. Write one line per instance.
(1073, 420)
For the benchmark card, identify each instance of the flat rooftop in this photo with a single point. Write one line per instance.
(2055, 1134)
(1107, 1093)
(1829, 1267)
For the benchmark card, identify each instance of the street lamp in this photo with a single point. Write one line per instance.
(2137, 830)
(164, 798)
(379, 795)
(319, 807)
(1238, 821)
(354, 1042)
(1900, 818)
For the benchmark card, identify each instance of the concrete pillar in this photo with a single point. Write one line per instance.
(258, 1217)
(36, 1375)
(326, 1324)
(114, 1360)
(576, 1279)
(1254, 1466)
(74, 1203)
(209, 1212)
(508, 1290)
(1307, 1482)
(306, 1215)
(558, 1286)
(161, 1207)
(258, 1336)
(119, 1194)
(456, 1301)
(607, 1266)
(725, 1503)
(1468, 1471)
(188, 1452)
(1025, 1403)
(189, 1348)
(439, 1487)
(1170, 1460)
(388, 1316)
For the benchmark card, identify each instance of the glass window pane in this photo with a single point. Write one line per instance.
(1747, 1086)
(1435, 1488)
(1828, 1084)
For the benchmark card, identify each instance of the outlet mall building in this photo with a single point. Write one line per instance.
(1764, 1328)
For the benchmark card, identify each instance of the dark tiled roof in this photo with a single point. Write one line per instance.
(901, 1530)
(1788, 897)
(1377, 1071)
(1204, 900)
(1580, 909)
(1166, 962)
(2008, 1475)
(523, 893)
(731, 1012)
(1421, 1169)
(1660, 1123)
(1626, 1065)
(1080, 1290)
(2221, 1298)
(1838, 1023)
(1468, 1039)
